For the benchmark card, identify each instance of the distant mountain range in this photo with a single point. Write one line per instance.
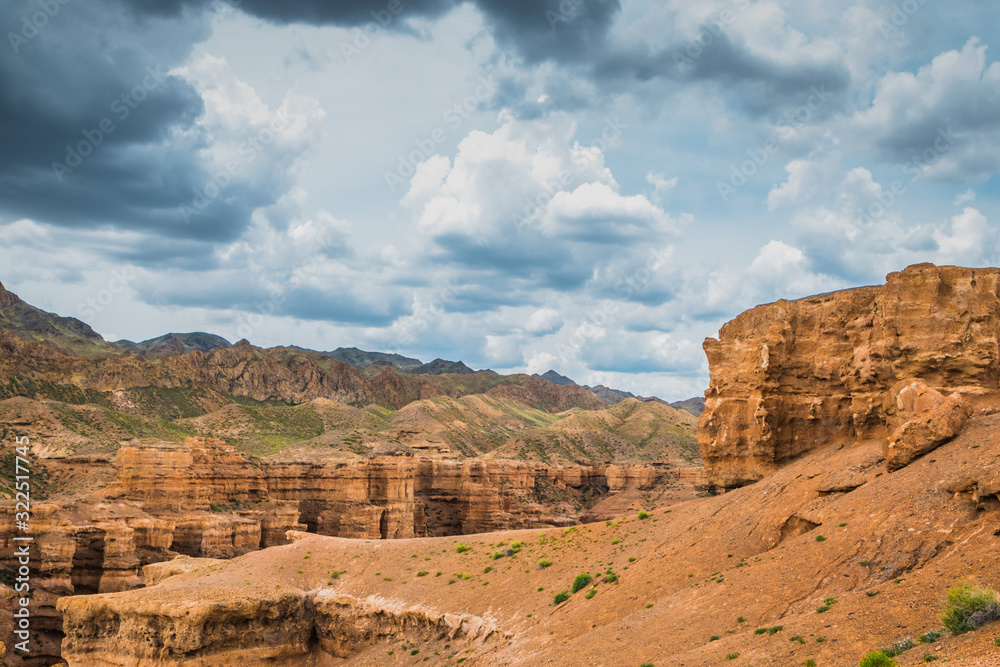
(74, 337)
(363, 359)
(611, 396)
(175, 344)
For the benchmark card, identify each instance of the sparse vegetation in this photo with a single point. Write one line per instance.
(930, 636)
(877, 659)
(581, 582)
(969, 607)
(901, 646)
(462, 548)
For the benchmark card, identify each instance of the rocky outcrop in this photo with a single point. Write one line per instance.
(257, 626)
(346, 624)
(922, 419)
(216, 501)
(791, 376)
(390, 497)
(191, 475)
(7, 298)
(234, 628)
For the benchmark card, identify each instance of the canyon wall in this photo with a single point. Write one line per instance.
(404, 496)
(791, 376)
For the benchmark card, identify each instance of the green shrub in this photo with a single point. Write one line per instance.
(968, 607)
(899, 647)
(820, 610)
(486, 570)
(732, 656)
(643, 514)
(714, 638)
(877, 659)
(928, 657)
(820, 538)
(591, 593)
(461, 548)
(561, 597)
(810, 663)
(496, 555)
(581, 582)
(545, 562)
(422, 573)
(872, 594)
(930, 637)
(797, 638)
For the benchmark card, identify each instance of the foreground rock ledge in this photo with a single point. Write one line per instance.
(790, 376)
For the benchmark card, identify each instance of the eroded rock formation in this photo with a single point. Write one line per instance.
(790, 376)
(404, 496)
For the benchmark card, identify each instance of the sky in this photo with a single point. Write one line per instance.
(590, 186)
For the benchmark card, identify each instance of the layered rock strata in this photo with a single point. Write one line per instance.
(791, 376)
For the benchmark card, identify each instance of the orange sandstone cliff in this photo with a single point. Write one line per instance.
(791, 376)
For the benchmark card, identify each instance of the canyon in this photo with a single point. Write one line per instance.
(202, 499)
(852, 439)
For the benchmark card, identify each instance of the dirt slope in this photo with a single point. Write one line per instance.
(892, 545)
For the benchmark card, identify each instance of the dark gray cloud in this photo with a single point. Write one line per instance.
(574, 34)
(284, 299)
(97, 134)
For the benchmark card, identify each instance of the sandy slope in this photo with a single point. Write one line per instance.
(684, 577)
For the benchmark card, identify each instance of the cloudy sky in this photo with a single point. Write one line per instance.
(587, 185)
